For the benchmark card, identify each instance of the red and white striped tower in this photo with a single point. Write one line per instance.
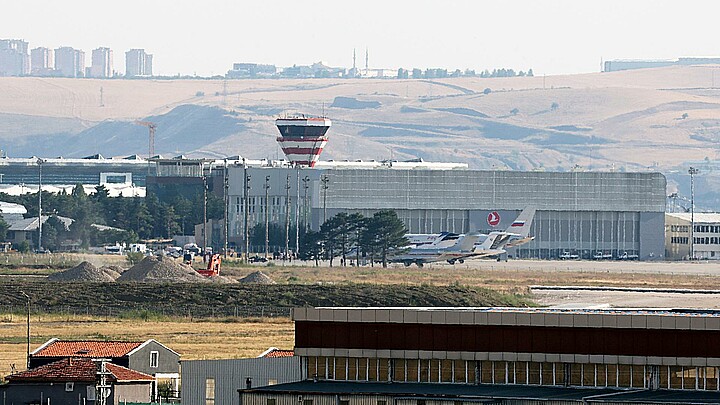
(302, 139)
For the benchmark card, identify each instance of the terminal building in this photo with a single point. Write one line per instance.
(422, 356)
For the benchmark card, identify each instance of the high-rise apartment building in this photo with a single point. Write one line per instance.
(42, 62)
(14, 58)
(70, 62)
(102, 63)
(138, 63)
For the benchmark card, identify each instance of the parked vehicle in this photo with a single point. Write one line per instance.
(568, 256)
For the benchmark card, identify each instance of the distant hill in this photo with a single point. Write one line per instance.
(651, 119)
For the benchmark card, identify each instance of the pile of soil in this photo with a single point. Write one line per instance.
(117, 269)
(161, 270)
(112, 271)
(85, 271)
(257, 277)
(222, 280)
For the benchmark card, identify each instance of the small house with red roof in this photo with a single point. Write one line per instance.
(75, 380)
(149, 357)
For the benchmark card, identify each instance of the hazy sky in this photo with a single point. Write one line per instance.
(206, 37)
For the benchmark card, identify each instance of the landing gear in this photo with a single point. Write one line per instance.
(451, 261)
(461, 261)
(407, 263)
(419, 264)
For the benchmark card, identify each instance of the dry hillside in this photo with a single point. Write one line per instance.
(654, 118)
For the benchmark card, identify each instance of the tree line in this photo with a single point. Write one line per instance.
(354, 236)
(135, 217)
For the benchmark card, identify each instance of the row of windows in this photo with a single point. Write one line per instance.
(509, 372)
(707, 228)
(682, 240)
(707, 241)
(276, 201)
(679, 228)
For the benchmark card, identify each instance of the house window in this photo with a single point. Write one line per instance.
(210, 391)
(154, 359)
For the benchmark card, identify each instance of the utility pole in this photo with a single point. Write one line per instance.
(40, 163)
(103, 387)
(27, 297)
(226, 200)
(325, 180)
(693, 171)
(306, 180)
(246, 191)
(287, 216)
(267, 216)
(297, 210)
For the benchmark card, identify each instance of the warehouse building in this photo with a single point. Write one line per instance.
(585, 213)
(706, 236)
(418, 356)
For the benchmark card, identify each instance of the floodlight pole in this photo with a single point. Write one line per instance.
(246, 191)
(27, 297)
(40, 163)
(692, 171)
(267, 217)
(325, 180)
(297, 210)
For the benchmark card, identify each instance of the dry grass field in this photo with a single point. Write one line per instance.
(228, 338)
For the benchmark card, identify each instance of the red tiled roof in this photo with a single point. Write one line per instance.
(76, 369)
(125, 374)
(86, 349)
(279, 353)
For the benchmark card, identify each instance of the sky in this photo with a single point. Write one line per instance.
(206, 37)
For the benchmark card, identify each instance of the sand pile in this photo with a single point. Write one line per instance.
(111, 271)
(161, 270)
(85, 271)
(257, 277)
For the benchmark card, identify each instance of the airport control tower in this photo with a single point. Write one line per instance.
(302, 139)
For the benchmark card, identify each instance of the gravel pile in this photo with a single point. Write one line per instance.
(84, 271)
(112, 271)
(161, 270)
(257, 277)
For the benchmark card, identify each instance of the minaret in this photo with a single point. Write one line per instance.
(366, 61)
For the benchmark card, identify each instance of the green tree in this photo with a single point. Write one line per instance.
(340, 234)
(3, 228)
(386, 233)
(54, 233)
(311, 246)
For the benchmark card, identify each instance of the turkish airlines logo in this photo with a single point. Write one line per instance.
(493, 218)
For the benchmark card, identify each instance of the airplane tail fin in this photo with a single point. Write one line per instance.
(491, 241)
(522, 223)
(467, 242)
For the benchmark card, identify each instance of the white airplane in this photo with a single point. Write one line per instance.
(515, 235)
(463, 248)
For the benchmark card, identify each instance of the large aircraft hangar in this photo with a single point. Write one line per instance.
(580, 213)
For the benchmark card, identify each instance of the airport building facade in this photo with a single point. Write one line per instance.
(584, 213)
(705, 236)
(417, 356)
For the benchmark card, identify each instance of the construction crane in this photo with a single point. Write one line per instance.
(151, 135)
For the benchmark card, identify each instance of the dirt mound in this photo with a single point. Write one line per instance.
(161, 270)
(223, 280)
(116, 269)
(257, 277)
(84, 271)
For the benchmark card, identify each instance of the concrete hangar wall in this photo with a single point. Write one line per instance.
(580, 212)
